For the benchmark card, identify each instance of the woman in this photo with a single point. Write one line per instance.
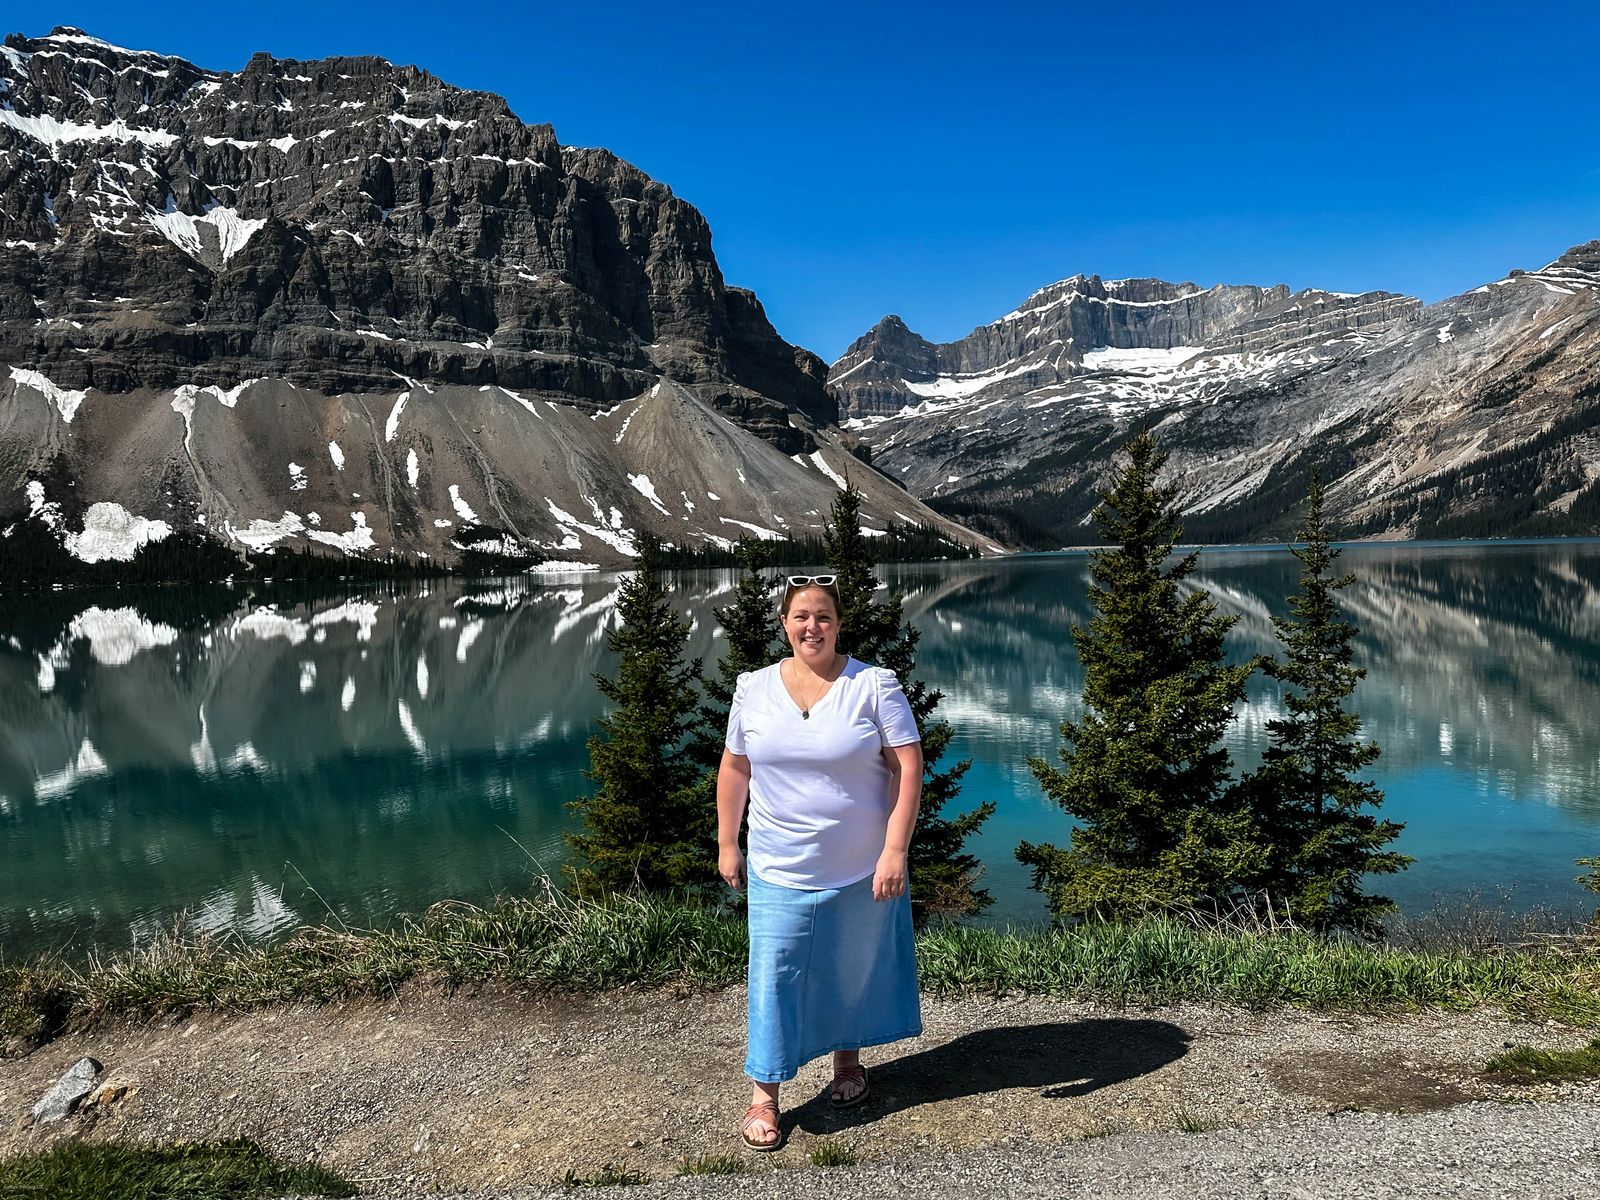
(826, 751)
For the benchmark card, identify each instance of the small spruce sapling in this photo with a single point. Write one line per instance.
(749, 626)
(944, 874)
(646, 824)
(1314, 814)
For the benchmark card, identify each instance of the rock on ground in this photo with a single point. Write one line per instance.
(57, 1103)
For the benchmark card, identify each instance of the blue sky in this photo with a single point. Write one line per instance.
(942, 161)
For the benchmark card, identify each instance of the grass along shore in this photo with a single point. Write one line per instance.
(556, 943)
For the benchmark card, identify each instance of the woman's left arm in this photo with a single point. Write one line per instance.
(905, 786)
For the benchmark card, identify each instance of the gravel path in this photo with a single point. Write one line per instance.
(500, 1091)
(1527, 1151)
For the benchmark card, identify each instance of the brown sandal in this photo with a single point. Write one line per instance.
(759, 1112)
(855, 1073)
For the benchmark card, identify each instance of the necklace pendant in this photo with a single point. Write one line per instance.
(805, 714)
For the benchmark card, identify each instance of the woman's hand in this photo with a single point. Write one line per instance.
(889, 878)
(730, 865)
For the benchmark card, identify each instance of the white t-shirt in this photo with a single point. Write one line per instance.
(819, 787)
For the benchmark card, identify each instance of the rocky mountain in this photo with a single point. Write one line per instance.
(344, 302)
(1062, 332)
(1475, 416)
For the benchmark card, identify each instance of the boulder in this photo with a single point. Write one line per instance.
(67, 1092)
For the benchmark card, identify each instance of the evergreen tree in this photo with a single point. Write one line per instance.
(866, 625)
(1143, 771)
(749, 625)
(1312, 812)
(646, 824)
(944, 875)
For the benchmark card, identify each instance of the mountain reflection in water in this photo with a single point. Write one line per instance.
(264, 760)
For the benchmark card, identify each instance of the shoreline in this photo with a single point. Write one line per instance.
(424, 574)
(558, 945)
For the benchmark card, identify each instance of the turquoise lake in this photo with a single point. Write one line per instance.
(262, 761)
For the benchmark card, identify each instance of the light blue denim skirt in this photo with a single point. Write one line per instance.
(829, 970)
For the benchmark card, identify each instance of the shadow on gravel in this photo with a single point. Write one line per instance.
(1071, 1058)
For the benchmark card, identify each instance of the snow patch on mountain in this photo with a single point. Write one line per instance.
(39, 508)
(761, 531)
(358, 539)
(112, 532)
(261, 534)
(641, 484)
(184, 398)
(73, 36)
(821, 464)
(56, 133)
(229, 230)
(392, 425)
(65, 400)
(524, 401)
(960, 387)
(463, 509)
(613, 535)
(1148, 362)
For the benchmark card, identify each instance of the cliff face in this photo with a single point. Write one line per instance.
(338, 223)
(1471, 417)
(1045, 341)
(206, 277)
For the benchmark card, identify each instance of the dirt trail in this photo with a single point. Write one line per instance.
(505, 1088)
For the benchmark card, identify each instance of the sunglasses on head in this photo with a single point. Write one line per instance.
(808, 580)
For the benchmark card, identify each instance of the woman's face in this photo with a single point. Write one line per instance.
(812, 625)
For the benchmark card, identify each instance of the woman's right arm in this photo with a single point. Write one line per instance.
(733, 789)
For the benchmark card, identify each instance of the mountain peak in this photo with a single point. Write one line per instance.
(1584, 257)
(303, 201)
(71, 35)
(346, 303)
(1084, 324)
